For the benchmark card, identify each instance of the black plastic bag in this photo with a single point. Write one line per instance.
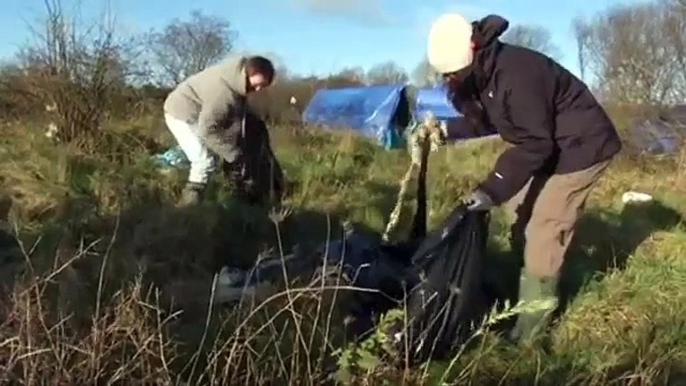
(439, 277)
(449, 300)
(257, 175)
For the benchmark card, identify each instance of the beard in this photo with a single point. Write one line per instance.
(463, 93)
(462, 84)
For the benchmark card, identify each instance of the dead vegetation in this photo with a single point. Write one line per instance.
(103, 280)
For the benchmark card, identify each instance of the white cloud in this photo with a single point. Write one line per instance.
(427, 14)
(370, 12)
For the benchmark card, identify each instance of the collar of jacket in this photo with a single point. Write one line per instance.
(236, 76)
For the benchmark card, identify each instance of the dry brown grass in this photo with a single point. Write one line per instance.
(89, 301)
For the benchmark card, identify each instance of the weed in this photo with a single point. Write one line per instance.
(104, 280)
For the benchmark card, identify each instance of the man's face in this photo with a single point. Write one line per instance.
(460, 81)
(451, 79)
(257, 82)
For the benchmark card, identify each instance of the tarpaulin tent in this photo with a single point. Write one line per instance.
(378, 111)
(434, 100)
(663, 134)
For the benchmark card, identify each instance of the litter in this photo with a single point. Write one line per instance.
(449, 301)
(636, 197)
(172, 157)
(438, 275)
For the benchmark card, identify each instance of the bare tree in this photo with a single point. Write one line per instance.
(15, 99)
(424, 75)
(385, 73)
(581, 35)
(636, 52)
(185, 47)
(676, 30)
(533, 37)
(350, 76)
(74, 70)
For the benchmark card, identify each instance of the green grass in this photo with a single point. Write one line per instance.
(87, 235)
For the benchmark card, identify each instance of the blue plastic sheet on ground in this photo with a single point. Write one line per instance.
(661, 135)
(173, 157)
(379, 111)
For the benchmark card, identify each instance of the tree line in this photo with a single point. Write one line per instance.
(84, 73)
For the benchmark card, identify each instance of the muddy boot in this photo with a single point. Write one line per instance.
(193, 194)
(540, 301)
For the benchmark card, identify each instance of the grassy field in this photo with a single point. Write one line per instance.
(85, 236)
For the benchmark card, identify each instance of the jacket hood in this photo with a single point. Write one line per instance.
(485, 34)
(488, 30)
(235, 73)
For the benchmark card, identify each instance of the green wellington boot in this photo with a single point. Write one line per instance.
(540, 301)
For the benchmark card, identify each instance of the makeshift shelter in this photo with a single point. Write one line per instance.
(434, 100)
(663, 134)
(379, 111)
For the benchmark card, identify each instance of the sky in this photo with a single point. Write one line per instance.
(323, 36)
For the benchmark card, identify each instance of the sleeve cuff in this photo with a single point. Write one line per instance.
(497, 189)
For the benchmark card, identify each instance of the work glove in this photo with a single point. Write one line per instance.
(247, 193)
(243, 188)
(479, 201)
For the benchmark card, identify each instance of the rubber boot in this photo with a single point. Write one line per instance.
(540, 301)
(193, 194)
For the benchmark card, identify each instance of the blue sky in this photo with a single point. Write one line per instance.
(322, 36)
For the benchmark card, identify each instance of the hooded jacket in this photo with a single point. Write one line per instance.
(213, 103)
(548, 114)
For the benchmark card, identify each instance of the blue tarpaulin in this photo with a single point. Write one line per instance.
(435, 100)
(378, 111)
(660, 135)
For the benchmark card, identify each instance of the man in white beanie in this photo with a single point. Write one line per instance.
(562, 143)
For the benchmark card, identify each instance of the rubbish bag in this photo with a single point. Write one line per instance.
(438, 276)
(258, 176)
(447, 304)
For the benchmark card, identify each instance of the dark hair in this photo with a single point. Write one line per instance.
(261, 65)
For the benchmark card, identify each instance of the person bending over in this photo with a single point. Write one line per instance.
(206, 115)
(561, 143)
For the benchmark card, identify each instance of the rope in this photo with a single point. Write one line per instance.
(430, 130)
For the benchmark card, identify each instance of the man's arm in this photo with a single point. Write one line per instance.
(220, 124)
(531, 114)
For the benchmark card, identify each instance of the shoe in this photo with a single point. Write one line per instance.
(193, 194)
(540, 301)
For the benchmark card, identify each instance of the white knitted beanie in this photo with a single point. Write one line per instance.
(449, 43)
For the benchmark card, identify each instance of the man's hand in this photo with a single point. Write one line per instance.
(247, 193)
(479, 201)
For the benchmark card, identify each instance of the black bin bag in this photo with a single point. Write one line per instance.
(439, 281)
(437, 276)
(448, 298)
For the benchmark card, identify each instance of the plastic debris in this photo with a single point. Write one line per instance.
(438, 274)
(173, 157)
(636, 197)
